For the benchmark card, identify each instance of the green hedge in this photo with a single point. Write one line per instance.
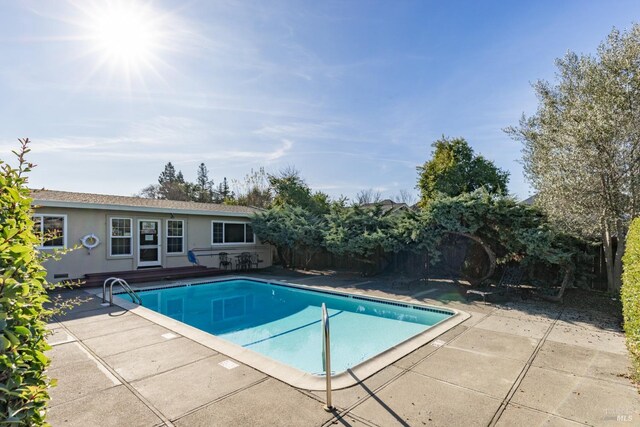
(23, 382)
(631, 294)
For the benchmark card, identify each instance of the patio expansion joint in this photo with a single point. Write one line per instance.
(523, 373)
(589, 377)
(404, 371)
(116, 332)
(223, 397)
(125, 383)
(484, 316)
(346, 411)
(167, 370)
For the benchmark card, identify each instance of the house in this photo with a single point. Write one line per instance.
(118, 233)
(387, 206)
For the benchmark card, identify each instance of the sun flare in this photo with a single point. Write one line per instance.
(125, 33)
(128, 39)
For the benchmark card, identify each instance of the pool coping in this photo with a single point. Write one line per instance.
(279, 370)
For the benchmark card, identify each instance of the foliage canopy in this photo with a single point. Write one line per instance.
(631, 294)
(455, 169)
(581, 147)
(23, 382)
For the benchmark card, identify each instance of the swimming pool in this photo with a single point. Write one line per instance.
(282, 322)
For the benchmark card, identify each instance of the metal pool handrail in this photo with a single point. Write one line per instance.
(326, 355)
(134, 297)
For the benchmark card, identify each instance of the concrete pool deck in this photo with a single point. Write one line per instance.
(519, 363)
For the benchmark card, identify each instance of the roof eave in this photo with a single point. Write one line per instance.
(109, 207)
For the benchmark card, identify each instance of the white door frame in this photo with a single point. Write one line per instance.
(141, 245)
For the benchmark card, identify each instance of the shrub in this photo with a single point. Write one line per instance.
(23, 383)
(630, 294)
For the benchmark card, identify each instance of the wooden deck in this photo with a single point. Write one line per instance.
(151, 274)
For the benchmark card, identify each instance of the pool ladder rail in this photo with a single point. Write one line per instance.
(123, 283)
(326, 355)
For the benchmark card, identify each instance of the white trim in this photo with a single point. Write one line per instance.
(78, 205)
(167, 236)
(225, 244)
(111, 236)
(158, 246)
(64, 229)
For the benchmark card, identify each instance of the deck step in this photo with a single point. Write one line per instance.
(151, 274)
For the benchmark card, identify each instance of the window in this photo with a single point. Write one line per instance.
(249, 238)
(175, 236)
(231, 232)
(121, 236)
(52, 230)
(217, 228)
(234, 233)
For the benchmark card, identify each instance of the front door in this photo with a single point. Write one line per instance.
(148, 243)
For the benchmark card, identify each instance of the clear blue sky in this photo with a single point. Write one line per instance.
(350, 92)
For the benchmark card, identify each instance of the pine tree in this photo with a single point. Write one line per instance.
(168, 175)
(203, 185)
(171, 185)
(224, 193)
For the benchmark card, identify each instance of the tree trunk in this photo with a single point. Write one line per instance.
(608, 253)
(283, 259)
(621, 232)
(308, 257)
(490, 254)
(568, 278)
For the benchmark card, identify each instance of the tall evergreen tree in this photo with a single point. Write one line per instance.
(203, 188)
(171, 185)
(224, 192)
(455, 169)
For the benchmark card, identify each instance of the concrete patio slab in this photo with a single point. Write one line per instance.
(417, 400)
(590, 320)
(157, 358)
(515, 325)
(189, 387)
(602, 341)
(497, 344)
(113, 407)
(416, 356)
(533, 310)
(519, 416)
(85, 309)
(79, 379)
(348, 397)
(486, 374)
(476, 317)
(118, 342)
(52, 325)
(583, 361)
(271, 403)
(67, 353)
(575, 397)
(59, 336)
(90, 327)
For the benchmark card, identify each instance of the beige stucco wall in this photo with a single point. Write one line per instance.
(81, 261)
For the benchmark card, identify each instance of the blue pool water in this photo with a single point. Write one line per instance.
(284, 323)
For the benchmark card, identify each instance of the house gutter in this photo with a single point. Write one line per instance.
(77, 205)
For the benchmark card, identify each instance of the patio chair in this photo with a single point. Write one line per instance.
(511, 278)
(243, 261)
(255, 260)
(225, 262)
